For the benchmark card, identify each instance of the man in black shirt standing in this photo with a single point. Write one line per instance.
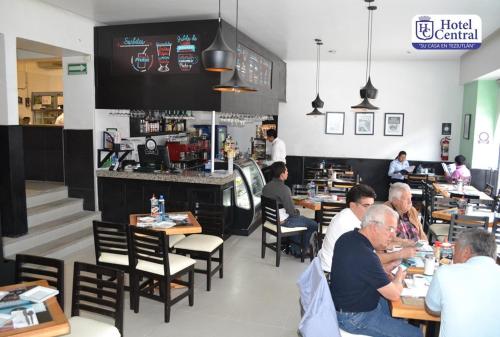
(360, 287)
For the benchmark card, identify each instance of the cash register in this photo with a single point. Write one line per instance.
(152, 157)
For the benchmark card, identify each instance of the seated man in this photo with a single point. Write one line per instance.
(360, 286)
(466, 293)
(359, 199)
(277, 190)
(409, 230)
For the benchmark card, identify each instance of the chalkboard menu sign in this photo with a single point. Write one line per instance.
(157, 54)
(254, 68)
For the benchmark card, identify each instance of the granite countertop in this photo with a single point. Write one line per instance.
(191, 177)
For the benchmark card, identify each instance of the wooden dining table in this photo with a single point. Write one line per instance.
(192, 227)
(57, 326)
(446, 189)
(312, 204)
(446, 214)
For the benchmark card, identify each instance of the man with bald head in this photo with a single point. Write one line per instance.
(360, 287)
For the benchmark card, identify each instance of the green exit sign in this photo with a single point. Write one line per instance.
(77, 68)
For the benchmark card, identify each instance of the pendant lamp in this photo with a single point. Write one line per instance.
(235, 83)
(368, 91)
(318, 102)
(218, 56)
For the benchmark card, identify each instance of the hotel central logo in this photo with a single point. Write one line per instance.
(446, 32)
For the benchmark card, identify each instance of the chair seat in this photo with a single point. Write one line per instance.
(440, 229)
(307, 212)
(81, 326)
(173, 239)
(114, 259)
(344, 333)
(200, 243)
(176, 262)
(284, 229)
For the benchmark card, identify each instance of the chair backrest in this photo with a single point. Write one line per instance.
(211, 218)
(496, 232)
(98, 289)
(299, 190)
(414, 180)
(467, 197)
(150, 246)
(488, 190)
(460, 223)
(110, 238)
(270, 212)
(328, 211)
(32, 268)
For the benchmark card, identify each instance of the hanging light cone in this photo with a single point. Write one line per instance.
(235, 84)
(317, 103)
(315, 112)
(218, 56)
(365, 105)
(368, 91)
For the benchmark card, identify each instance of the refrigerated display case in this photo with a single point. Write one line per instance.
(248, 184)
(220, 136)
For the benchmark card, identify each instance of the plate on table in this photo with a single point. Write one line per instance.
(178, 217)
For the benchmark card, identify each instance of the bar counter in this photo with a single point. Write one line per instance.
(189, 177)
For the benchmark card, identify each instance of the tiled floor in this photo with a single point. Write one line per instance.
(254, 299)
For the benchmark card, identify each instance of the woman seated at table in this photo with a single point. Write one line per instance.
(397, 168)
(461, 172)
(409, 229)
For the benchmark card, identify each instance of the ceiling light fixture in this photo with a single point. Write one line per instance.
(368, 91)
(317, 103)
(235, 83)
(218, 57)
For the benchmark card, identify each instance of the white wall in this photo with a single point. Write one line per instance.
(484, 60)
(428, 93)
(36, 21)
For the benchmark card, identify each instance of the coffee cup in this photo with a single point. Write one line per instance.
(418, 281)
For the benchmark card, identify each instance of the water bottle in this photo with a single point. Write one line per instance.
(154, 206)
(161, 207)
(312, 189)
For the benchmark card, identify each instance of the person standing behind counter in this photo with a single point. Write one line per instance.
(278, 151)
(398, 168)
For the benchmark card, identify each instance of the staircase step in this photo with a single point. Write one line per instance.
(50, 231)
(37, 198)
(66, 245)
(53, 210)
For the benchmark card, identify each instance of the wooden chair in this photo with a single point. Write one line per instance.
(100, 296)
(415, 180)
(212, 217)
(469, 198)
(460, 223)
(204, 246)
(299, 190)
(328, 211)
(32, 268)
(152, 261)
(271, 224)
(496, 232)
(436, 229)
(489, 191)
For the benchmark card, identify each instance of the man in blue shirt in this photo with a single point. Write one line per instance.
(360, 286)
(466, 293)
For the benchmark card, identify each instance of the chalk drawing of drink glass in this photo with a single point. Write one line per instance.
(163, 51)
(186, 56)
(141, 62)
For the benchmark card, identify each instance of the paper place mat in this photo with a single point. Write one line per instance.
(178, 217)
(413, 301)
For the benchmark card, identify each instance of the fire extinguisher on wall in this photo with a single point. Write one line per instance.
(445, 146)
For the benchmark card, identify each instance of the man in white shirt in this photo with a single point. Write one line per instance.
(278, 151)
(359, 199)
(466, 293)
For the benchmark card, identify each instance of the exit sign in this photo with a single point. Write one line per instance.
(77, 68)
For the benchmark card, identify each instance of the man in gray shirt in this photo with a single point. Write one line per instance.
(277, 190)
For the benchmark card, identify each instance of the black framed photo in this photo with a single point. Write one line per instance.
(446, 129)
(394, 124)
(364, 123)
(334, 123)
(467, 121)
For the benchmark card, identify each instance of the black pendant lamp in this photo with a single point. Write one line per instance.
(218, 56)
(235, 83)
(318, 102)
(368, 91)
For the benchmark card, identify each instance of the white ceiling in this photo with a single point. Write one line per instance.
(288, 27)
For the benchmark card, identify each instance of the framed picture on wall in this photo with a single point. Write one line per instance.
(394, 124)
(363, 123)
(334, 123)
(446, 129)
(467, 119)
